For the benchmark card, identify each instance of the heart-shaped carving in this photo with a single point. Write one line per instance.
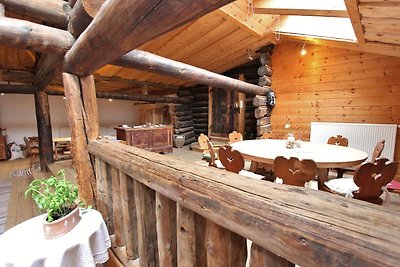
(293, 171)
(371, 177)
(232, 160)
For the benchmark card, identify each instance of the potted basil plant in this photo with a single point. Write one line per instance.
(60, 199)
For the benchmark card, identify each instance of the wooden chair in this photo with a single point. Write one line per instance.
(214, 162)
(233, 161)
(293, 171)
(338, 140)
(32, 145)
(378, 150)
(235, 137)
(367, 183)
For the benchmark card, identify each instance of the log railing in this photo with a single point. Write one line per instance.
(168, 212)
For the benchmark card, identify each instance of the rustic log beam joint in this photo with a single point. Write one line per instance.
(110, 35)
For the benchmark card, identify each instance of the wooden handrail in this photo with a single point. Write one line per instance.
(304, 226)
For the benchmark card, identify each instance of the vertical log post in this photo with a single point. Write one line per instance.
(166, 230)
(224, 248)
(147, 229)
(129, 215)
(117, 207)
(81, 130)
(263, 257)
(44, 130)
(104, 200)
(186, 237)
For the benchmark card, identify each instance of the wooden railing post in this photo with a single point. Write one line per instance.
(129, 215)
(166, 230)
(262, 257)
(224, 248)
(147, 229)
(104, 200)
(116, 207)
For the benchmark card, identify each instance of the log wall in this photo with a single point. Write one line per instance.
(334, 85)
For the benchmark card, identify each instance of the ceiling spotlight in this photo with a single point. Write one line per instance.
(303, 50)
(248, 54)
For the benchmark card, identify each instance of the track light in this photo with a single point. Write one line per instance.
(303, 50)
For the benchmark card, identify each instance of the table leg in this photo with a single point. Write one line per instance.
(55, 151)
(322, 176)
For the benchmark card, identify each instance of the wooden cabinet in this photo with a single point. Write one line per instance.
(3, 147)
(152, 138)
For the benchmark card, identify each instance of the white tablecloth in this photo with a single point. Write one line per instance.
(85, 245)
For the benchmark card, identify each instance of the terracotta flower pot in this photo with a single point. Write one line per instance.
(61, 226)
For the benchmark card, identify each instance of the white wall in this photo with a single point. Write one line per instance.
(17, 114)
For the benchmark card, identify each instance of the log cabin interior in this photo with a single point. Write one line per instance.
(122, 79)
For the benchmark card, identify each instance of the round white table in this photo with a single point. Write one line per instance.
(325, 156)
(85, 245)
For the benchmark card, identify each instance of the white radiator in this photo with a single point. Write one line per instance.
(361, 136)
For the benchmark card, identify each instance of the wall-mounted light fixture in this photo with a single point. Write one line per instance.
(2, 93)
(110, 100)
(303, 50)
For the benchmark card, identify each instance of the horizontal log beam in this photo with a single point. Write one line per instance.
(149, 62)
(16, 76)
(28, 35)
(115, 29)
(24, 34)
(53, 12)
(17, 89)
(144, 98)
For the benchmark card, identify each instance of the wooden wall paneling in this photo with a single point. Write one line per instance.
(219, 32)
(357, 88)
(188, 35)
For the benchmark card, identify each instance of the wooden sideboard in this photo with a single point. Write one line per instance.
(152, 138)
(3, 147)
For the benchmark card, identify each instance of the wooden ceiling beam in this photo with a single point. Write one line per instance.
(354, 14)
(16, 76)
(24, 34)
(141, 98)
(301, 8)
(149, 62)
(134, 82)
(28, 35)
(17, 89)
(53, 12)
(111, 34)
(49, 65)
